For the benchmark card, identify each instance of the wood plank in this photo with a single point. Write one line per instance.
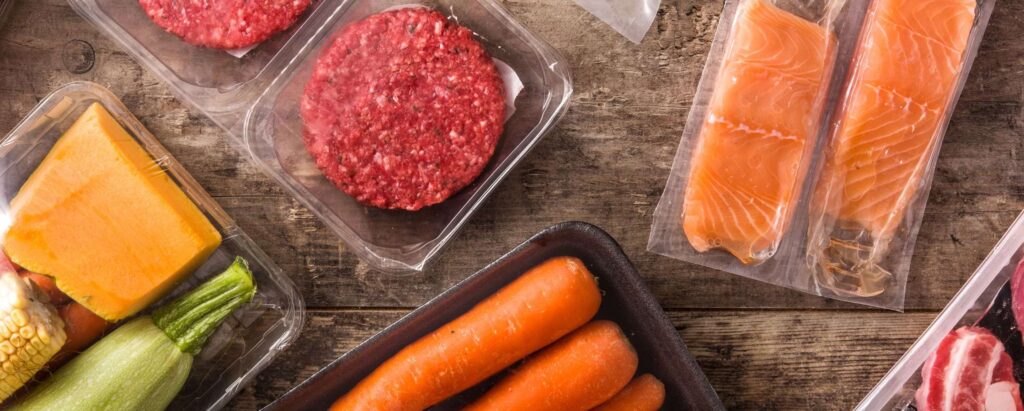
(755, 359)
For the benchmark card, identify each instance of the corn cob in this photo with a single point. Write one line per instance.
(31, 331)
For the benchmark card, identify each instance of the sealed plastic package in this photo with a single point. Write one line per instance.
(880, 160)
(394, 160)
(808, 152)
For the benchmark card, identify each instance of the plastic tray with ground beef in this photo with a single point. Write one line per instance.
(224, 24)
(403, 109)
(397, 107)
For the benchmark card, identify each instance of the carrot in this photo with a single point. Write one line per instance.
(82, 327)
(57, 297)
(542, 305)
(578, 372)
(644, 393)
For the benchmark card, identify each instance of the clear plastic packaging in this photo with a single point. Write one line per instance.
(631, 18)
(877, 169)
(760, 200)
(985, 301)
(251, 337)
(256, 98)
(217, 83)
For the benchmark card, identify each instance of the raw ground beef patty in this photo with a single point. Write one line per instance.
(403, 109)
(224, 24)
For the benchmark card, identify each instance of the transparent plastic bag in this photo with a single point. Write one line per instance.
(722, 105)
(744, 182)
(631, 18)
(877, 169)
(986, 303)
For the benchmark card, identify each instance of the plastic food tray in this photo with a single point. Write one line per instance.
(249, 339)
(256, 98)
(627, 301)
(984, 300)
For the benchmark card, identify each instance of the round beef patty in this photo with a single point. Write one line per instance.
(403, 109)
(224, 24)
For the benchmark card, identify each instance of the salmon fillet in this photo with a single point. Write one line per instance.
(751, 157)
(906, 71)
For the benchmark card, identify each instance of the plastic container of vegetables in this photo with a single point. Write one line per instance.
(256, 98)
(250, 337)
(626, 301)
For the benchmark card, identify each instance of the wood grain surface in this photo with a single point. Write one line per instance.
(762, 347)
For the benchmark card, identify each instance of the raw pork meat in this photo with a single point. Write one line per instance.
(970, 370)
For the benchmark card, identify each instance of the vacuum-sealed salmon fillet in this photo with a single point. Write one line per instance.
(754, 148)
(890, 125)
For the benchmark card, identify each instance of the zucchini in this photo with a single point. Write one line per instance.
(143, 364)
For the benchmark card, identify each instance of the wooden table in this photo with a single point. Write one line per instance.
(762, 347)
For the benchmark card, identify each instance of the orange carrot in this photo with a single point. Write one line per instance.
(82, 327)
(57, 297)
(644, 393)
(580, 371)
(542, 305)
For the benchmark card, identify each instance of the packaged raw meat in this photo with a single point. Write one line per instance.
(225, 24)
(969, 370)
(811, 143)
(904, 83)
(964, 360)
(376, 124)
(754, 147)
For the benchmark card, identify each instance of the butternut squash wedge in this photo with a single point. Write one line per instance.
(103, 219)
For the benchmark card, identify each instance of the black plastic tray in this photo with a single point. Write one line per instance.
(627, 301)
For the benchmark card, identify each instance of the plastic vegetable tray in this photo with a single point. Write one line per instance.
(256, 98)
(627, 301)
(249, 339)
